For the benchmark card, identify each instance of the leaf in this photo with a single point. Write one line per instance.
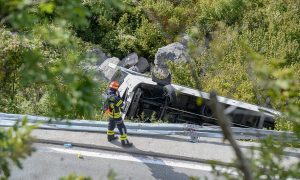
(47, 7)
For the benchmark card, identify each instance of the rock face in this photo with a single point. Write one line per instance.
(174, 52)
(161, 75)
(134, 63)
(129, 61)
(142, 65)
(99, 75)
(108, 71)
(98, 54)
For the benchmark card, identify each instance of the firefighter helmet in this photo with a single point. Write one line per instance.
(114, 85)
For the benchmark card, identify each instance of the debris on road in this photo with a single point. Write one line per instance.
(68, 145)
(79, 156)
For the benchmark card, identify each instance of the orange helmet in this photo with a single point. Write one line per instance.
(114, 85)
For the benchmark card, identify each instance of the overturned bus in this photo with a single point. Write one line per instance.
(178, 104)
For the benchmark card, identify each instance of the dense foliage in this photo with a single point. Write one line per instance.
(40, 69)
(40, 60)
(221, 61)
(121, 28)
(245, 49)
(268, 29)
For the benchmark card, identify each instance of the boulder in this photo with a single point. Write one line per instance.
(95, 70)
(174, 52)
(97, 54)
(142, 65)
(161, 75)
(108, 71)
(129, 61)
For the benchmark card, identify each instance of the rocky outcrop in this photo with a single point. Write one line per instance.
(135, 63)
(174, 52)
(143, 65)
(130, 60)
(97, 54)
(108, 71)
(161, 75)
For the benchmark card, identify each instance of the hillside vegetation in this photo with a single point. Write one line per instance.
(238, 48)
(248, 50)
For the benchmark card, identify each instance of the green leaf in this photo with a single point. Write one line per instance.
(47, 7)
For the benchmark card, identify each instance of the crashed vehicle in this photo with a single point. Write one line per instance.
(146, 97)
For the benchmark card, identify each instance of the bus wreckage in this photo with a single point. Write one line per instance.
(144, 97)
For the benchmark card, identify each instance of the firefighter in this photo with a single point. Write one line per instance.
(114, 111)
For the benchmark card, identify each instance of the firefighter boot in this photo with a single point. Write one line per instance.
(126, 143)
(111, 137)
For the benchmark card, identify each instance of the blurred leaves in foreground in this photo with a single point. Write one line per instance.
(40, 61)
(249, 54)
(40, 69)
(15, 144)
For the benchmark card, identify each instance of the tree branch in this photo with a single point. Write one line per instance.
(225, 126)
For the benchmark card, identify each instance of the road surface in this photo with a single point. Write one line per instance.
(51, 162)
(169, 157)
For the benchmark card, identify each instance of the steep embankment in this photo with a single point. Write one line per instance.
(245, 49)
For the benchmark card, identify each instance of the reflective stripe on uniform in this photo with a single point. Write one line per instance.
(119, 103)
(112, 106)
(115, 115)
(110, 132)
(123, 137)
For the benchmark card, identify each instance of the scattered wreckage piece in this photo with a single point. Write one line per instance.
(179, 104)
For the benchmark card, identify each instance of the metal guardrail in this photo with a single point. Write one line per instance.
(191, 130)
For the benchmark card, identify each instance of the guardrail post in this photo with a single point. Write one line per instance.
(191, 132)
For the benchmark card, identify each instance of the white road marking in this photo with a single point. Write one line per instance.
(148, 160)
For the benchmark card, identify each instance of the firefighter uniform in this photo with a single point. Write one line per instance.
(115, 118)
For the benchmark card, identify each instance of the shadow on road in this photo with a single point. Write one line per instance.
(157, 166)
(162, 171)
(116, 142)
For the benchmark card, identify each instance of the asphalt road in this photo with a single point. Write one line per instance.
(50, 162)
